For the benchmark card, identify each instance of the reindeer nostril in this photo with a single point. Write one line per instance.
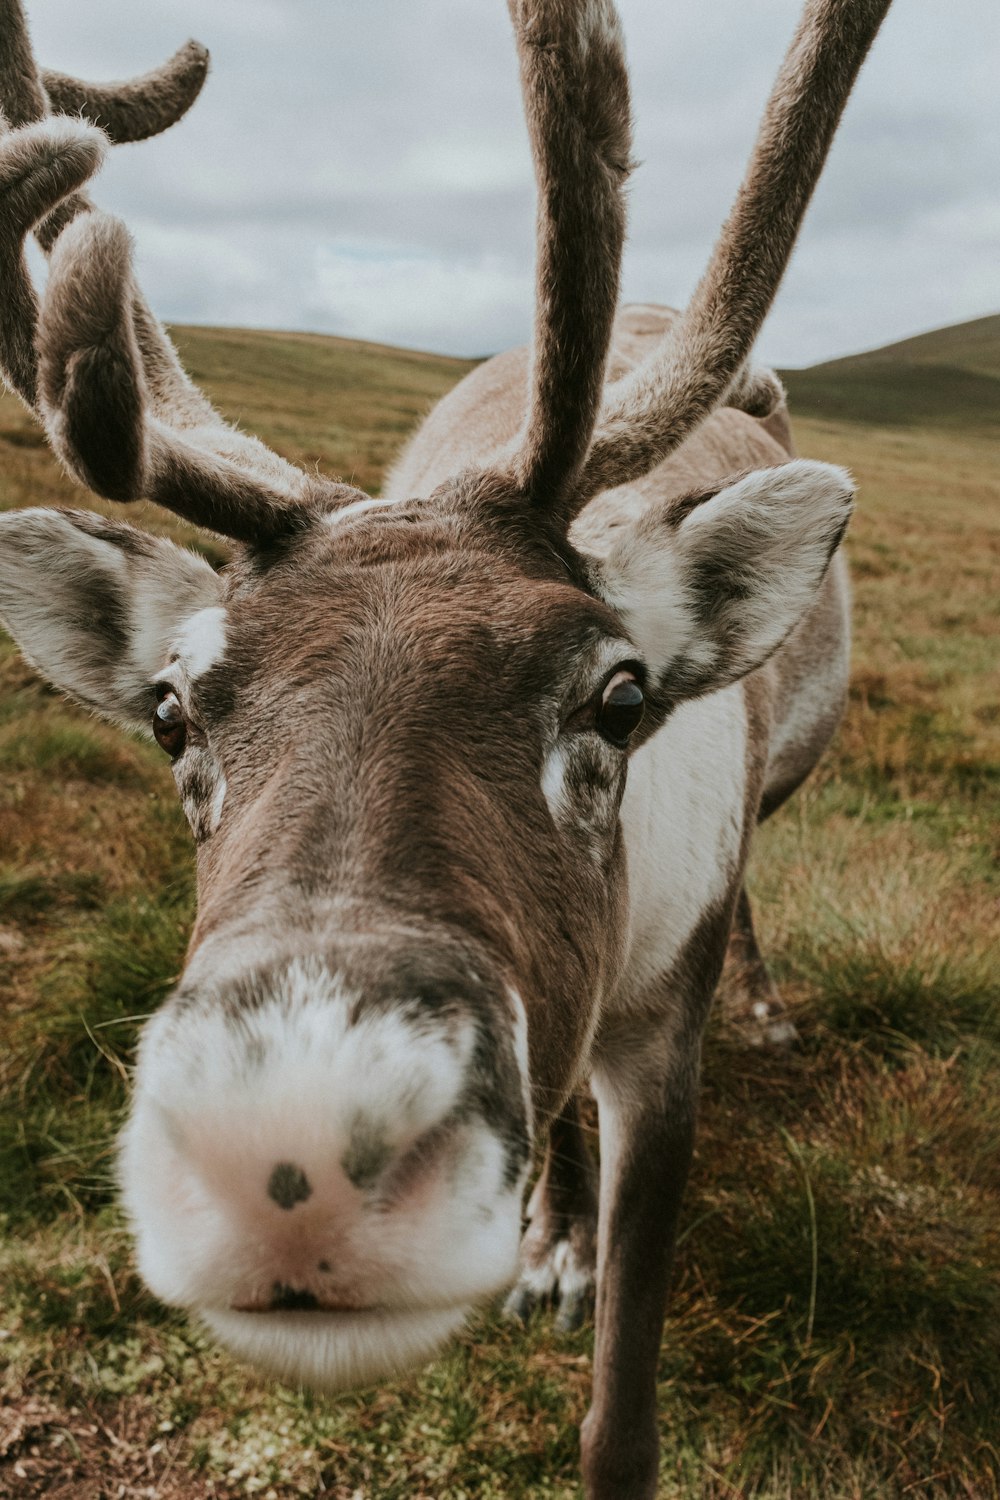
(290, 1299)
(288, 1185)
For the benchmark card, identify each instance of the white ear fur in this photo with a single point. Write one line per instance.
(708, 597)
(94, 604)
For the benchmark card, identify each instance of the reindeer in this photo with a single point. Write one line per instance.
(471, 768)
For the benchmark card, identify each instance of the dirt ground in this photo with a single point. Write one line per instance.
(75, 1454)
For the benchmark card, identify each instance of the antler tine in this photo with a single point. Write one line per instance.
(125, 418)
(139, 107)
(43, 163)
(93, 361)
(122, 414)
(40, 165)
(649, 412)
(576, 96)
(23, 98)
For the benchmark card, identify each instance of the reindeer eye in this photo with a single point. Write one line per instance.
(621, 709)
(169, 727)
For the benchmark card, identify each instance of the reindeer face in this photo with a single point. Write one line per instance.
(400, 746)
(400, 735)
(396, 757)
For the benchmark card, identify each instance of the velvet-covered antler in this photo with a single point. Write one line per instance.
(575, 87)
(139, 107)
(576, 95)
(650, 411)
(93, 362)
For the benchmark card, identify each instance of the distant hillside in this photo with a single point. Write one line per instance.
(949, 377)
(964, 346)
(347, 404)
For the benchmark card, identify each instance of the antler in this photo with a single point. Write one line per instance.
(649, 412)
(94, 363)
(576, 96)
(128, 111)
(140, 107)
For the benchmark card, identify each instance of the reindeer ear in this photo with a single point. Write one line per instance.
(709, 589)
(94, 604)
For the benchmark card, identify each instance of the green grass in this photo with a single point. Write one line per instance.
(835, 1323)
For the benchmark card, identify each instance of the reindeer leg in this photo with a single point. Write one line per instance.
(758, 1001)
(559, 1249)
(647, 1113)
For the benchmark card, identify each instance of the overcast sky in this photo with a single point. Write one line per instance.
(361, 167)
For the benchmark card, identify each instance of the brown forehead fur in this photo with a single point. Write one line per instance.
(434, 571)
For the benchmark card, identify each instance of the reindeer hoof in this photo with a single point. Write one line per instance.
(770, 1027)
(563, 1275)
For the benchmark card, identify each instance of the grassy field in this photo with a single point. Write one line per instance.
(835, 1324)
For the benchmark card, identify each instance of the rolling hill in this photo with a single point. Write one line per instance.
(961, 346)
(949, 377)
(318, 398)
